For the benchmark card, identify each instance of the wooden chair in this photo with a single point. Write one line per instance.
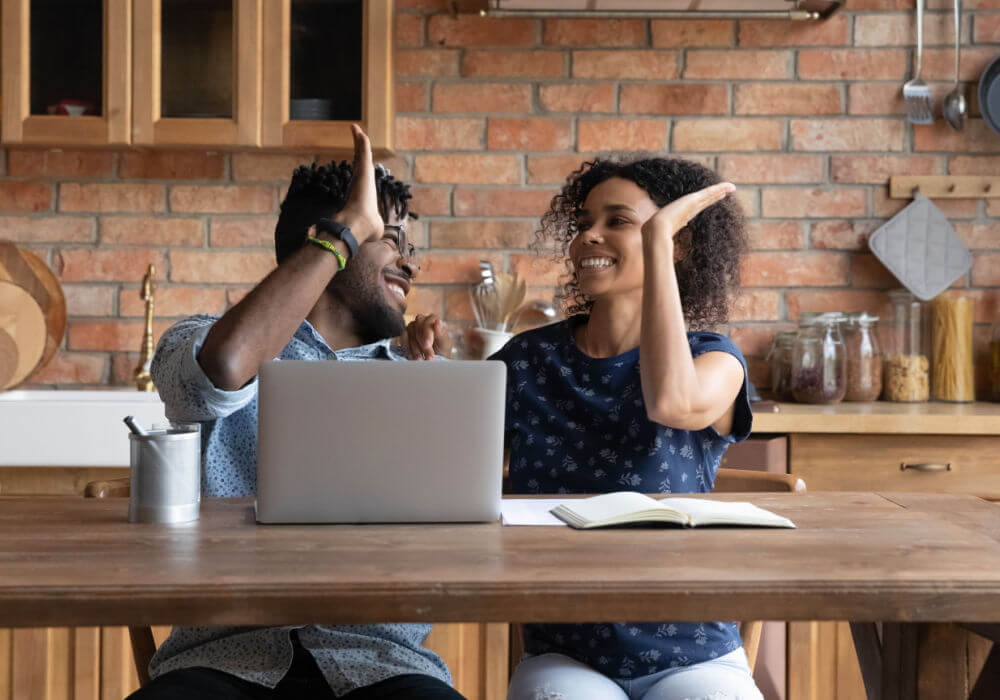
(726, 481)
(141, 637)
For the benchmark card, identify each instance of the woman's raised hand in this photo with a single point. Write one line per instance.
(676, 215)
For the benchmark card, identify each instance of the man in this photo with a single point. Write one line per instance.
(330, 298)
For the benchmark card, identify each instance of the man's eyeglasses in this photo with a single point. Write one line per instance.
(395, 236)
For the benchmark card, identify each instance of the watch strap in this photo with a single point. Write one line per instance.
(341, 233)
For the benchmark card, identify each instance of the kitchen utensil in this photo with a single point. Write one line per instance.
(920, 247)
(919, 103)
(989, 94)
(955, 108)
(27, 271)
(133, 426)
(22, 334)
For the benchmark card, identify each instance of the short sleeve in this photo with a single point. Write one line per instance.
(743, 415)
(185, 389)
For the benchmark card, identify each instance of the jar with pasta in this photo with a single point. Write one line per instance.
(780, 358)
(906, 371)
(951, 344)
(819, 360)
(864, 358)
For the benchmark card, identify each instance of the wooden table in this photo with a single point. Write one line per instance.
(899, 559)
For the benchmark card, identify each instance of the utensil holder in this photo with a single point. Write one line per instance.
(165, 484)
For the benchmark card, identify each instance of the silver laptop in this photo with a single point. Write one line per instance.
(380, 442)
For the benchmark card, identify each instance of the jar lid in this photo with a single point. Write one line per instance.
(811, 318)
(862, 317)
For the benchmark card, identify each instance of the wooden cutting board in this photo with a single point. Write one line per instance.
(22, 334)
(25, 270)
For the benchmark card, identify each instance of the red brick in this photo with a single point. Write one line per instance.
(123, 366)
(577, 97)
(148, 230)
(738, 64)
(223, 199)
(833, 31)
(862, 5)
(697, 32)
(220, 268)
(767, 169)
(939, 64)
(110, 197)
(747, 198)
(631, 65)
(458, 305)
(901, 30)
(755, 305)
(49, 229)
(846, 300)
(848, 134)
(502, 202)
(868, 272)
(411, 97)
(513, 64)
(235, 296)
(448, 268)
(539, 270)
(755, 339)
(480, 98)
(728, 135)
(474, 169)
(875, 98)
(25, 196)
(553, 170)
(431, 201)
(59, 163)
(110, 265)
(267, 167)
(171, 165)
(473, 30)
(883, 207)
(802, 202)
(435, 134)
(425, 300)
(528, 134)
(245, 232)
(992, 207)
(800, 269)
(852, 64)
(769, 234)
(89, 299)
(975, 138)
(878, 169)
(174, 301)
(481, 233)
(987, 29)
(842, 235)
(787, 98)
(594, 32)
(974, 165)
(674, 100)
(72, 368)
(622, 135)
(110, 335)
(979, 235)
(426, 63)
(409, 31)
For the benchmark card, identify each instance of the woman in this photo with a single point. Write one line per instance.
(622, 397)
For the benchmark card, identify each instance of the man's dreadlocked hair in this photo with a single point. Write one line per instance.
(318, 192)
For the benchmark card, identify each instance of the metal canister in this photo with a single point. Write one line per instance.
(166, 475)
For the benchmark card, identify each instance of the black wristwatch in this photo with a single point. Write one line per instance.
(341, 233)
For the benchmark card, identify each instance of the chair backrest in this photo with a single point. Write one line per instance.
(141, 637)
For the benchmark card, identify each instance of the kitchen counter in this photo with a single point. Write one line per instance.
(882, 417)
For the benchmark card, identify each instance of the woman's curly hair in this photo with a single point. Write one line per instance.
(710, 268)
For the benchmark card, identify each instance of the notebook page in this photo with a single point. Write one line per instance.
(610, 505)
(736, 512)
(529, 511)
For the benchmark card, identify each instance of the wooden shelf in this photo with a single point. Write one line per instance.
(944, 186)
(932, 418)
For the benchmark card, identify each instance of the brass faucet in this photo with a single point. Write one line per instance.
(143, 380)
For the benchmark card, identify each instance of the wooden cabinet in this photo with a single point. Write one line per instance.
(196, 72)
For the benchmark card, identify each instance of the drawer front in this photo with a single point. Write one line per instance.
(933, 463)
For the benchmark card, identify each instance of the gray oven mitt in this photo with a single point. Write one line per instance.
(920, 247)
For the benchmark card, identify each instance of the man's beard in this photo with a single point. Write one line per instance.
(359, 288)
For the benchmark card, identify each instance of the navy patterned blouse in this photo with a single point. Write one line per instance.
(577, 424)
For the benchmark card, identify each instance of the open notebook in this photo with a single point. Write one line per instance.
(627, 507)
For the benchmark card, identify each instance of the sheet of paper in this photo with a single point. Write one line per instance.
(530, 511)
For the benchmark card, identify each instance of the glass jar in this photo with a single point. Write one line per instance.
(864, 358)
(995, 362)
(953, 376)
(906, 373)
(780, 357)
(819, 360)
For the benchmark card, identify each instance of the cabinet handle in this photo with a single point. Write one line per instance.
(926, 467)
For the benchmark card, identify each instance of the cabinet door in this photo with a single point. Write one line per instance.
(327, 63)
(66, 71)
(197, 72)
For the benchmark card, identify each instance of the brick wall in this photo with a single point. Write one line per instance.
(805, 117)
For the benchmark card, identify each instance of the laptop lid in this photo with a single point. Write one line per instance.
(365, 442)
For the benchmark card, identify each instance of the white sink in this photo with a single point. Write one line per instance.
(72, 428)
